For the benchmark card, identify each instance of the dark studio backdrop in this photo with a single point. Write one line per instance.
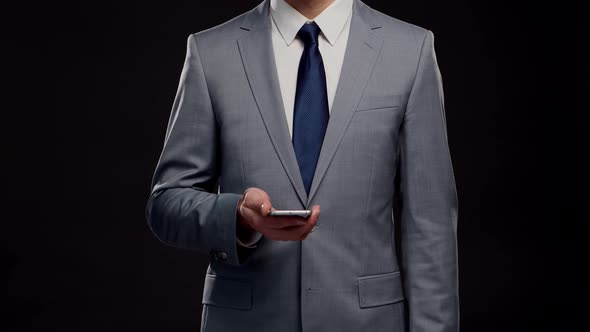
(93, 97)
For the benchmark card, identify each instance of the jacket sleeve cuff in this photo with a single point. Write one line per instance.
(225, 249)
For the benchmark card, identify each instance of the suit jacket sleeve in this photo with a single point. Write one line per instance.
(184, 209)
(429, 204)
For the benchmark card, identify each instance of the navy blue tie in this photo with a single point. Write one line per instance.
(310, 118)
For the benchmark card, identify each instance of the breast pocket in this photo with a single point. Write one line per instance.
(371, 102)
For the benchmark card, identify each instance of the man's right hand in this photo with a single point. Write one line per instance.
(253, 210)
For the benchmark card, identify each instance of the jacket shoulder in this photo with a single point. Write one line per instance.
(227, 30)
(397, 29)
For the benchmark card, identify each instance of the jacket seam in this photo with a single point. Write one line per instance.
(205, 79)
(417, 67)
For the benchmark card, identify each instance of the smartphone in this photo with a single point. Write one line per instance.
(297, 213)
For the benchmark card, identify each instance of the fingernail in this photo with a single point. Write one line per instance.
(312, 229)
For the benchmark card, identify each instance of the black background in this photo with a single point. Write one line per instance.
(91, 88)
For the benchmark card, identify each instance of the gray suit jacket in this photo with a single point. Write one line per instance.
(227, 131)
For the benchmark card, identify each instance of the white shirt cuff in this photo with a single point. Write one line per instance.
(250, 241)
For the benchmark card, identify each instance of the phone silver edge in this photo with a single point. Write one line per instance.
(298, 213)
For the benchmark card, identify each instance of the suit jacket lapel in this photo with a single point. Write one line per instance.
(259, 63)
(360, 56)
(257, 54)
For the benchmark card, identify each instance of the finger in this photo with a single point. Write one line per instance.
(288, 221)
(253, 217)
(292, 233)
(313, 219)
(266, 206)
(279, 222)
(296, 233)
(257, 200)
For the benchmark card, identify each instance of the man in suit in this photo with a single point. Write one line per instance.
(298, 104)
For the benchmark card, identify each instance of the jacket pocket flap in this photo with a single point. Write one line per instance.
(230, 293)
(370, 102)
(380, 289)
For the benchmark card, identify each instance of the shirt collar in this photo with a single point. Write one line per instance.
(331, 21)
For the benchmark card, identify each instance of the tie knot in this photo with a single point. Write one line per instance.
(309, 33)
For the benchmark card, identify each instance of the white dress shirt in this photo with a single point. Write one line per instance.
(334, 23)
